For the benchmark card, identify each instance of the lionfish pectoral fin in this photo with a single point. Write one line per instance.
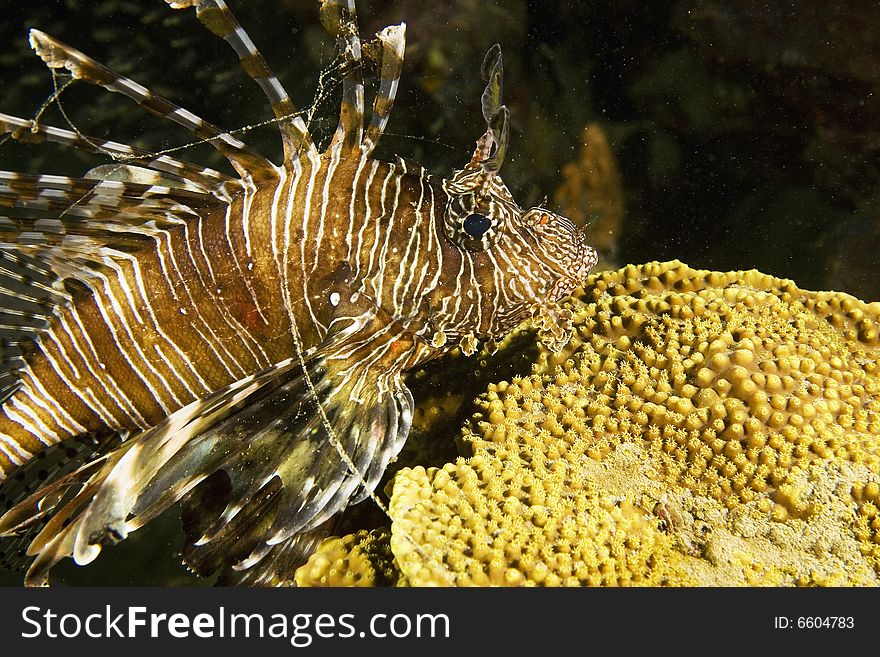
(47, 533)
(325, 439)
(29, 297)
(279, 563)
(39, 486)
(555, 325)
(242, 539)
(32, 507)
(108, 498)
(72, 227)
(280, 452)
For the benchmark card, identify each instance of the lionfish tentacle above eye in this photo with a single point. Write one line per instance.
(219, 19)
(339, 18)
(495, 114)
(246, 161)
(28, 131)
(393, 43)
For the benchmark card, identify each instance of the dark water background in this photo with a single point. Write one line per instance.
(747, 133)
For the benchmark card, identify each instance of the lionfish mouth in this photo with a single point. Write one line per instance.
(586, 259)
(561, 289)
(576, 273)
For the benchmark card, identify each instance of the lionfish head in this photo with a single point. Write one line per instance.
(534, 257)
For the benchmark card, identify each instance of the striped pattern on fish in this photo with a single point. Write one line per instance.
(247, 336)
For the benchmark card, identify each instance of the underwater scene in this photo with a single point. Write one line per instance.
(298, 293)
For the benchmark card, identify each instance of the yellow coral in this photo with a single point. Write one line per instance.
(491, 522)
(737, 399)
(360, 559)
(742, 376)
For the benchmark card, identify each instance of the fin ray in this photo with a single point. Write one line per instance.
(56, 54)
(29, 131)
(28, 299)
(339, 18)
(393, 43)
(39, 486)
(219, 19)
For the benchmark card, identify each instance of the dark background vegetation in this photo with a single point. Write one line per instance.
(747, 133)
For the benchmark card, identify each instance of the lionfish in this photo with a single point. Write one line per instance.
(244, 338)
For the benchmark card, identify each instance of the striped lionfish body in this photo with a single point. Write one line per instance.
(245, 338)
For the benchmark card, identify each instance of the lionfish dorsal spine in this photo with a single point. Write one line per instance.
(339, 18)
(245, 160)
(216, 16)
(392, 41)
(207, 179)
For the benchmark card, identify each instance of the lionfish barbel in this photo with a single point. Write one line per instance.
(244, 339)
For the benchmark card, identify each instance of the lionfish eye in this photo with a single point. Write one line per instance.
(476, 225)
(471, 223)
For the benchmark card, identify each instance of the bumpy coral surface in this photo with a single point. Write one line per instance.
(699, 428)
(359, 559)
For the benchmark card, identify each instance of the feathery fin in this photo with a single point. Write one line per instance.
(39, 486)
(286, 478)
(42, 214)
(29, 295)
(18, 187)
(239, 552)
